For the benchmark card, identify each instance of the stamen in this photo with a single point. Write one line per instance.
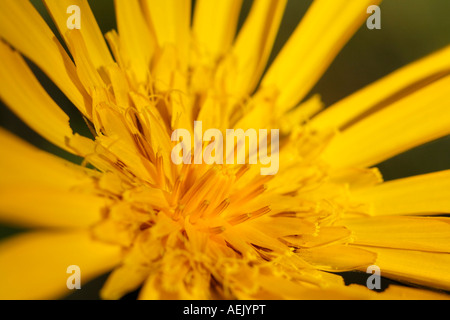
(222, 206)
(238, 199)
(260, 212)
(239, 219)
(176, 189)
(197, 185)
(198, 214)
(216, 230)
(161, 178)
(178, 212)
(249, 216)
(242, 170)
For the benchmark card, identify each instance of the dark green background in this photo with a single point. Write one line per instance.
(410, 29)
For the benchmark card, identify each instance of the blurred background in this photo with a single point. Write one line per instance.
(410, 29)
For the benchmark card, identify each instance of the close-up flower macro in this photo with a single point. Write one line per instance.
(194, 157)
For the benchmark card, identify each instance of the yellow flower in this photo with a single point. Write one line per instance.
(199, 231)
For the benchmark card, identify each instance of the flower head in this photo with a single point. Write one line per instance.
(195, 230)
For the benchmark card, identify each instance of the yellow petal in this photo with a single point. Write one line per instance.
(300, 114)
(148, 195)
(169, 72)
(254, 44)
(34, 265)
(21, 91)
(120, 142)
(423, 194)
(49, 207)
(90, 32)
(325, 29)
(94, 154)
(25, 164)
(324, 236)
(124, 280)
(386, 90)
(357, 178)
(338, 258)
(39, 189)
(282, 226)
(279, 288)
(137, 42)
(289, 290)
(176, 280)
(273, 287)
(164, 66)
(114, 43)
(86, 70)
(416, 119)
(22, 27)
(414, 233)
(214, 26)
(243, 238)
(171, 20)
(417, 267)
(394, 292)
(120, 86)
